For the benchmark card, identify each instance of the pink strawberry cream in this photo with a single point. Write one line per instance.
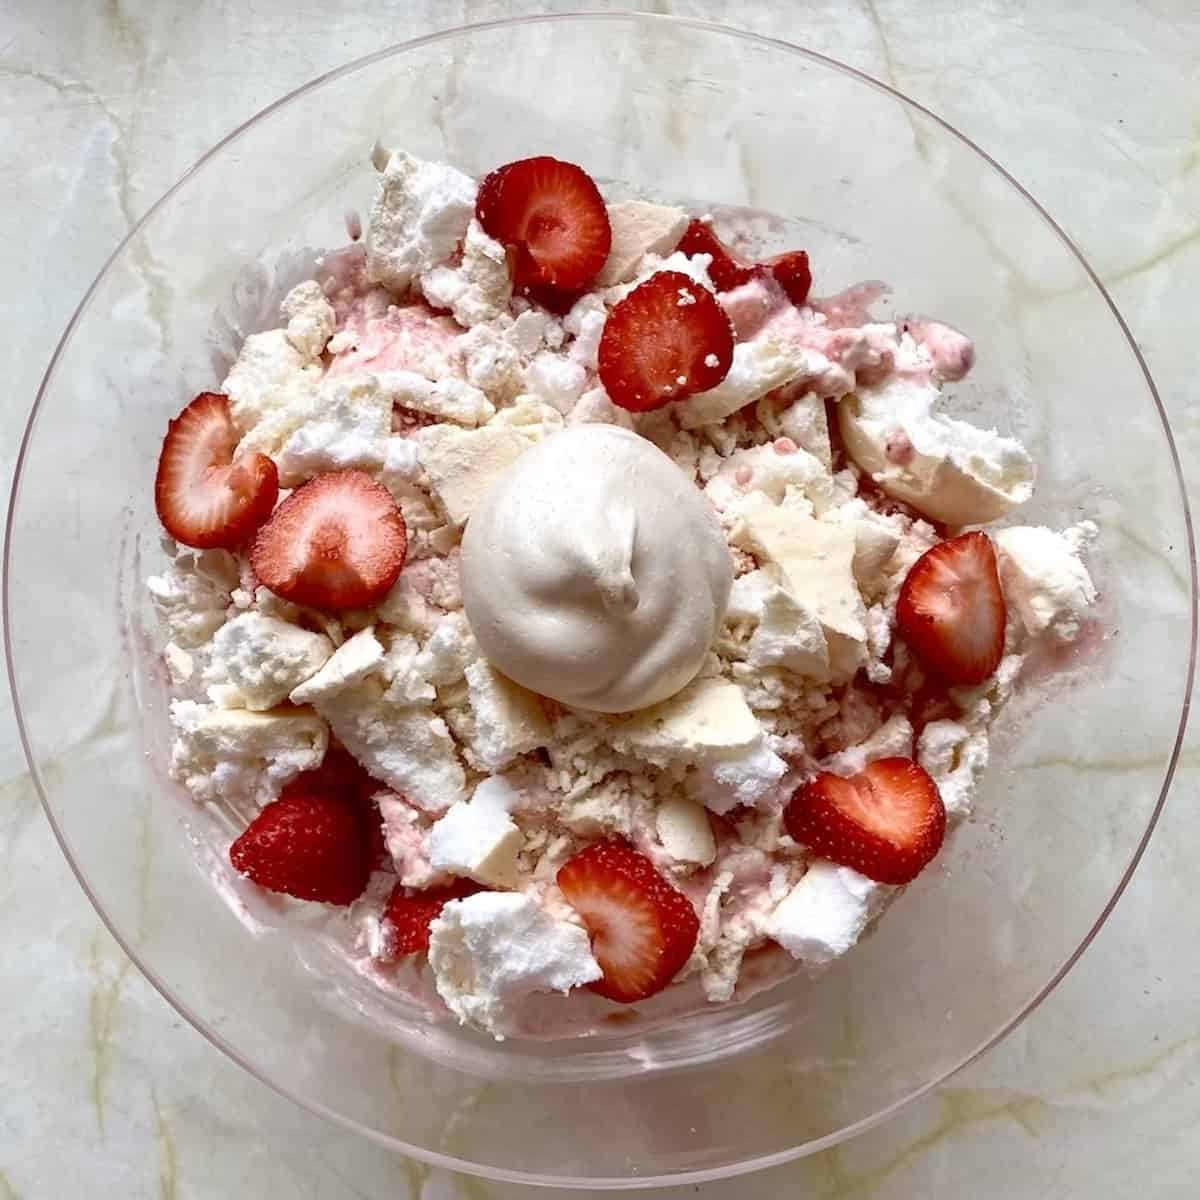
(598, 626)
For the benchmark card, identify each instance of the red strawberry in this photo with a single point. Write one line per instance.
(951, 609)
(642, 929)
(551, 214)
(887, 823)
(409, 913)
(341, 775)
(311, 845)
(486, 197)
(204, 497)
(792, 273)
(338, 541)
(727, 271)
(559, 301)
(668, 339)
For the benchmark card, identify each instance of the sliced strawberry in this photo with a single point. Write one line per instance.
(792, 273)
(205, 497)
(887, 822)
(559, 301)
(551, 215)
(642, 929)
(727, 271)
(342, 776)
(311, 845)
(951, 609)
(489, 191)
(338, 541)
(409, 913)
(668, 339)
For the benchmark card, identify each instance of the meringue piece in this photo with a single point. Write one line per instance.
(351, 663)
(751, 779)
(256, 661)
(478, 838)
(955, 758)
(420, 215)
(448, 398)
(639, 228)
(817, 559)
(947, 469)
(708, 719)
(684, 831)
(490, 950)
(508, 721)
(462, 464)
(349, 428)
(788, 635)
(1045, 579)
(826, 913)
(594, 572)
(310, 318)
(758, 367)
(951, 353)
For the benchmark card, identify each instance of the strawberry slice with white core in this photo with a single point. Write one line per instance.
(642, 929)
(338, 541)
(204, 496)
(667, 340)
(551, 217)
(887, 823)
(951, 609)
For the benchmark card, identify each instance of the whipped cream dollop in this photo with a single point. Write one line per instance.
(595, 572)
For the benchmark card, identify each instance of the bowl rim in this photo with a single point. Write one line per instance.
(434, 1157)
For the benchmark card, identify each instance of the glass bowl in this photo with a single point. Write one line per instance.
(875, 187)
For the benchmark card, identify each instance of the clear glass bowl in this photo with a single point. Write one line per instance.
(875, 187)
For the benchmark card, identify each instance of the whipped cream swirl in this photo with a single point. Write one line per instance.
(595, 571)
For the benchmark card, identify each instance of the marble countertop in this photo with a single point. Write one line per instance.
(105, 1089)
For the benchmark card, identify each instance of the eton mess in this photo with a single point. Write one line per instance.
(577, 605)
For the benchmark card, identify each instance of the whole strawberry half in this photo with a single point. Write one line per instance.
(409, 913)
(642, 929)
(311, 845)
(204, 496)
(667, 340)
(888, 822)
(951, 609)
(550, 216)
(338, 541)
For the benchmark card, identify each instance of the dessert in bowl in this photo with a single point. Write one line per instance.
(622, 617)
(642, 773)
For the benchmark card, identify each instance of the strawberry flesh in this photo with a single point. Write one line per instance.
(551, 217)
(951, 609)
(727, 271)
(667, 340)
(409, 913)
(793, 274)
(642, 929)
(887, 823)
(204, 496)
(338, 541)
(308, 844)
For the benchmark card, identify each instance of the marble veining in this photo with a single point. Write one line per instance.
(105, 1089)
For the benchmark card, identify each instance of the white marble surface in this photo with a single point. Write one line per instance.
(104, 1088)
